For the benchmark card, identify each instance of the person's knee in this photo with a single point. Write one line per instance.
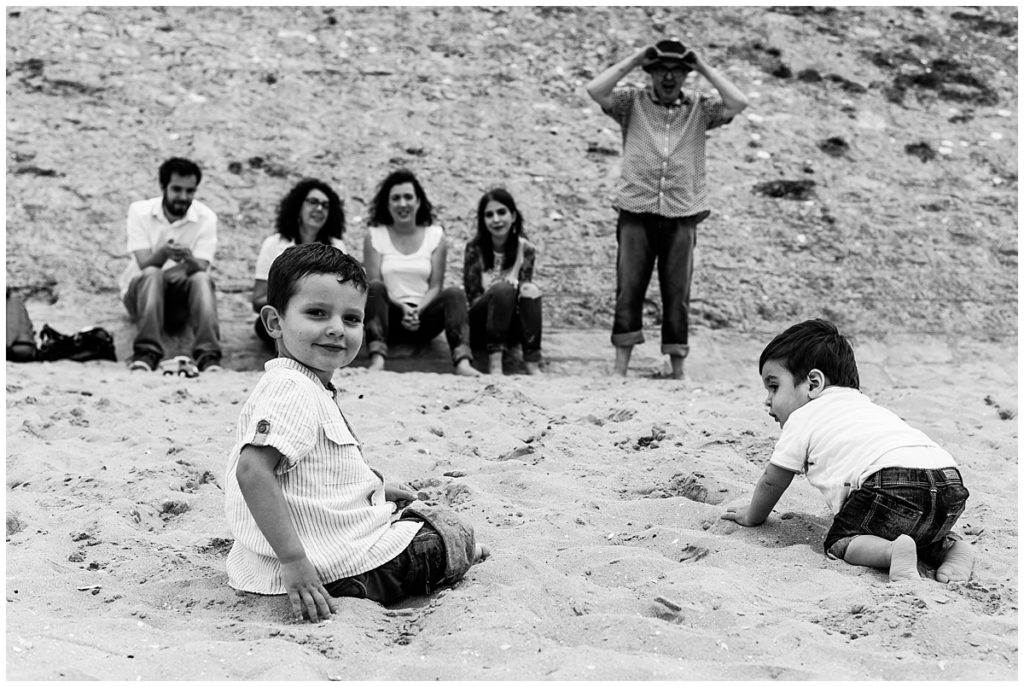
(202, 284)
(151, 273)
(376, 288)
(453, 295)
(529, 290)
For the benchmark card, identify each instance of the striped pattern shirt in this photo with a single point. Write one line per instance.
(663, 156)
(336, 501)
(841, 438)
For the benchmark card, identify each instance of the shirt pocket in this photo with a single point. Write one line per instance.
(339, 434)
(346, 473)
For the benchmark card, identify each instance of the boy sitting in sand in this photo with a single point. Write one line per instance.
(310, 518)
(896, 494)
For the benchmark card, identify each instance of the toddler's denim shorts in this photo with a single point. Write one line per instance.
(924, 504)
(415, 571)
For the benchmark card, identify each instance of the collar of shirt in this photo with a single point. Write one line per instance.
(682, 99)
(296, 365)
(191, 215)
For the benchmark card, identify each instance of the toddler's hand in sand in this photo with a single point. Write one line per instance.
(306, 592)
(738, 514)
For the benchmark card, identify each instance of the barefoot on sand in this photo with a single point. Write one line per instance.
(481, 553)
(464, 369)
(903, 564)
(957, 565)
(495, 360)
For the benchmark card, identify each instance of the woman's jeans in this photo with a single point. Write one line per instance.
(644, 238)
(502, 317)
(447, 312)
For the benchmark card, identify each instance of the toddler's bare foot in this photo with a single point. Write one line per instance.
(532, 368)
(480, 553)
(495, 360)
(464, 369)
(903, 563)
(376, 362)
(957, 564)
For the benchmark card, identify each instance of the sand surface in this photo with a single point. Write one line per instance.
(873, 181)
(598, 496)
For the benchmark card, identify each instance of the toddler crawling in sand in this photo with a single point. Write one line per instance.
(310, 518)
(895, 493)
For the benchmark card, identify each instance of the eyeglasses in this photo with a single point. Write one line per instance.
(317, 203)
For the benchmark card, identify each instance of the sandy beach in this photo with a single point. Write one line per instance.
(599, 496)
(872, 181)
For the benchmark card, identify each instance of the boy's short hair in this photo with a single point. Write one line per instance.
(305, 259)
(181, 166)
(814, 344)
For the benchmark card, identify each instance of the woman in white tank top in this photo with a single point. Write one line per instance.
(311, 212)
(404, 254)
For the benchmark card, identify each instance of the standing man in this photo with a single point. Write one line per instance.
(171, 242)
(662, 194)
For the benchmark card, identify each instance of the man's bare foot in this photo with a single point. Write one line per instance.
(376, 362)
(480, 553)
(622, 355)
(532, 368)
(494, 363)
(903, 561)
(957, 564)
(463, 368)
(677, 366)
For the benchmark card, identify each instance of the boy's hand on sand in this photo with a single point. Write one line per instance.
(738, 514)
(306, 592)
(401, 496)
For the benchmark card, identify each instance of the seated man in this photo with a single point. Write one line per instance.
(171, 242)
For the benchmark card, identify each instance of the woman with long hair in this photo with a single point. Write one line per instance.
(404, 254)
(504, 303)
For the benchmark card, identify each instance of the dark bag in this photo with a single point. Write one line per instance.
(89, 344)
(21, 338)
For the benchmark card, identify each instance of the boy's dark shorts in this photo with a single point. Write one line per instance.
(924, 504)
(415, 571)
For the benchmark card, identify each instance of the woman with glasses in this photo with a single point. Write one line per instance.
(405, 254)
(311, 212)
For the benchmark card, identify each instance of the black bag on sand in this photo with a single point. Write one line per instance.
(89, 344)
(21, 338)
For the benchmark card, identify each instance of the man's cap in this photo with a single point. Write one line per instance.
(667, 51)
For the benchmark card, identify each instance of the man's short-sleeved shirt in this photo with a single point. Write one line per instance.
(663, 156)
(148, 228)
(841, 438)
(336, 502)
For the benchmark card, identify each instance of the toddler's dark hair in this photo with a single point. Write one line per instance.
(814, 344)
(305, 259)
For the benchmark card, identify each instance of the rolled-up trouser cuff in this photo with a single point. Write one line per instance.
(628, 338)
(462, 352)
(675, 350)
